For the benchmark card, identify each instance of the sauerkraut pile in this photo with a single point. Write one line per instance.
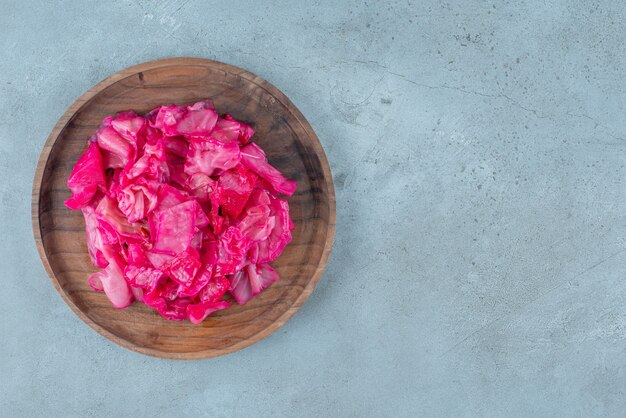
(180, 208)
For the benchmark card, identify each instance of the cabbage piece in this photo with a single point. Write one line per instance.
(129, 125)
(169, 196)
(229, 130)
(100, 245)
(214, 289)
(236, 186)
(216, 220)
(114, 285)
(251, 281)
(166, 118)
(258, 197)
(208, 192)
(258, 225)
(86, 178)
(138, 199)
(176, 167)
(270, 248)
(230, 251)
(95, 282)
(174, 228)
(183, 268)
(175, 310)
(226, 130)
(118, 150)
(156, 149)
(158, 260)
(257, 221)
(211, 157)
(253, 157)
(201, 219)
(150, 167)
(109, 215)
(199, 120)
(192, 287)
(169, 199)
(136, 255)
(137, 293)
(197, 240)
(142, 276)
(201, 186)
(164, 298)
(176, 145)
(196, 120)
(197, 312)
(152, 135)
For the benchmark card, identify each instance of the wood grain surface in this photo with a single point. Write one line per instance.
(291, 145)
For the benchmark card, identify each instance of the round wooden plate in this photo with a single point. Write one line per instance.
(291, 146)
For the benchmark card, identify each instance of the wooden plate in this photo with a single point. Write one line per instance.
(291, 145)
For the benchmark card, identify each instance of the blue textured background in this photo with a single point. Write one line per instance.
(479, 155)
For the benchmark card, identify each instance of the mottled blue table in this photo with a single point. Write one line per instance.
(479, 158)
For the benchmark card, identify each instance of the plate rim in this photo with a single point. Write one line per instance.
(84, 99)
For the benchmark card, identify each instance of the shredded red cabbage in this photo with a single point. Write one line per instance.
(180, 210)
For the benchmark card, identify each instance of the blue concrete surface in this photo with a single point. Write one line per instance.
(479, 155)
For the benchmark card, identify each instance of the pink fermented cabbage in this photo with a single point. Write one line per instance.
(86, 178)
(253, 157)
(182, 211)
